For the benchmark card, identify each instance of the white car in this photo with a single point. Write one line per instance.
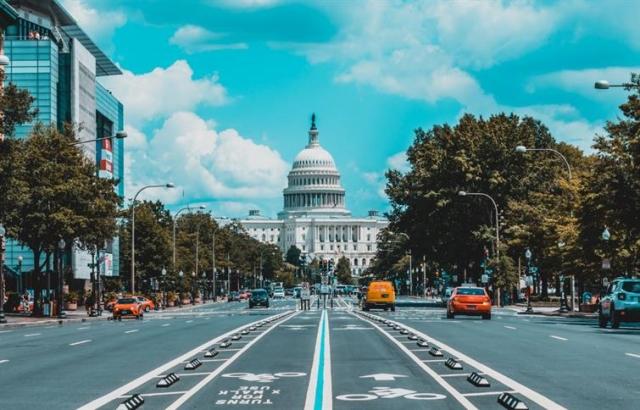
(278, 293)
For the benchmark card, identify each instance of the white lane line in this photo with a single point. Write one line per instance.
(433, 360)
(510, 327)
(183, 399)
(101, 401)
(83, 328)
(541, 400)
(132, 331)
(80, 342)
(166, 324)
(558, 338)
(189, 321)
(4, 361)
(5, 331)
(164, 393)
(456, 374)
(321, 369)
(633, 355)
(487, 393)
(32, 334)
(442, 382)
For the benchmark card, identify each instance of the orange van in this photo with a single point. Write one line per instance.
(380, 294)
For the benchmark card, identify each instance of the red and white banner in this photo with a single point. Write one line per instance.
(106, 160)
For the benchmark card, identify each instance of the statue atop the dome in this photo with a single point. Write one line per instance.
(313, 121)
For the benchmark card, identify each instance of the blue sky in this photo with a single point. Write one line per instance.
(218, 93)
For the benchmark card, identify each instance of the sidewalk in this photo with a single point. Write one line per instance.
(548, 311)
(15, 320)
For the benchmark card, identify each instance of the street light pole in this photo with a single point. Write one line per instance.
(133, 231)
(213, 263)
(495, 207)
(605, 85)
(119, 135)
(2, 250)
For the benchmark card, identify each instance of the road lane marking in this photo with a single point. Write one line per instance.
(442, 382)
(4, 361)
(319, 392)
(507, 381)
(132, 331)
(32, 334)
(164, 393)
(183, 399)
(510, 327)
(122, 390)
(189, 321)
(83, 328)
(488, 393)
(433, 360)
(558, 338)
(5, 331)
(633, 355)
(166, 324)
(80, 342)
(456, 374)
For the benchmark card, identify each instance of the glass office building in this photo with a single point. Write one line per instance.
(55, 60)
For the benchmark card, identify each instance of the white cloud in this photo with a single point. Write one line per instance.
(581, 82)
(206, 164)
(194, 39)
(399, 161)
(245, 4)
(99, 24)
(164, 91)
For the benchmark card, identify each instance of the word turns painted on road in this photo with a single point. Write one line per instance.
(243, 395)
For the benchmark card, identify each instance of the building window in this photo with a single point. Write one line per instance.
(304, 247)
(355, 261)
(330, 247)
(264, 237)
(364, 261)
(321, 247)
(368, 237)
(355, 247)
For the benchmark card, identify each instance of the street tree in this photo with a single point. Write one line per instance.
(293, 255)
(343, 271)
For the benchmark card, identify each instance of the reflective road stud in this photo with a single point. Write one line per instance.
(236, 337)
(511, 402)
(194, 364)
(132, 402)
(477, 380)
(404, 332)
(412, 337)
(167, 380)
(453, 364)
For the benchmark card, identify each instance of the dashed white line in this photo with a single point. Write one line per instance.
(189, 321)
(558, 338)
(5, 331)
(633, 355)
(164, 393)
(166, 324)
(32, 334)
(3, 361)
(80, 342)
(132, 331)
(83, 328)
(510, 327)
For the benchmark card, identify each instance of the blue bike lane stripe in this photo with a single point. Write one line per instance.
(319, 393)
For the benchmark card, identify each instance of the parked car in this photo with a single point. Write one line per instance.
(278, 293)
(259, 297)
(380, 294)
(233, 297)
(147, 304)
(472, 301)
(620, 303)
(127, 307)
(288, 292)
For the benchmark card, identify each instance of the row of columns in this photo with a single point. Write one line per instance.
(326, 200)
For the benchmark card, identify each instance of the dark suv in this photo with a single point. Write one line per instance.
(621, 303)
(259, 297)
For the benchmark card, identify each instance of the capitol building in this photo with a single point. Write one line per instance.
(314, 217)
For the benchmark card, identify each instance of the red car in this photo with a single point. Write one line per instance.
(469, 301)
(245, 295)
(127, 307)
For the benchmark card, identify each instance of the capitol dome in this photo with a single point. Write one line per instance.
(314, 186)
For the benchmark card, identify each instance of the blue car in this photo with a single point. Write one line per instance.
(621, 303)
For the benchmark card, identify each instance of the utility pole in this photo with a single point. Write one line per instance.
(213, 262)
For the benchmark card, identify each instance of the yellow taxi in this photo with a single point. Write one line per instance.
(380, 294)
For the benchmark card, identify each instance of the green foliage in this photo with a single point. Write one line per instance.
(343, 271)
(293, 255)
(16, 106)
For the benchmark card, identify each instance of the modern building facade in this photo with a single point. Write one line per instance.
(55, 60)
(314, 216)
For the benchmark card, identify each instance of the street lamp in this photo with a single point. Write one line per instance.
(164, 287)
(193, 292)
(175, 219)
(20, 280)
(605, 85)
(181, 274)
(606, 235)
(2, 249)
(133, 231)
(61, 246)
(522, 149)
(119, 136)
(495, 206)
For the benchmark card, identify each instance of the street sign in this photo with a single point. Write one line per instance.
(485, 278)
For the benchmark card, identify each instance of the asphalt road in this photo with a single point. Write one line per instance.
(321, 359)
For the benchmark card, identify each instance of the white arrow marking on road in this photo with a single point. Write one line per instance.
(131, 331)
(382, 376)
(558, 337)
(80, 342)
(633, 355)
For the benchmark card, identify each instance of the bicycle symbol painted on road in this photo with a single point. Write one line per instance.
(263, 377)
(390, 393)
